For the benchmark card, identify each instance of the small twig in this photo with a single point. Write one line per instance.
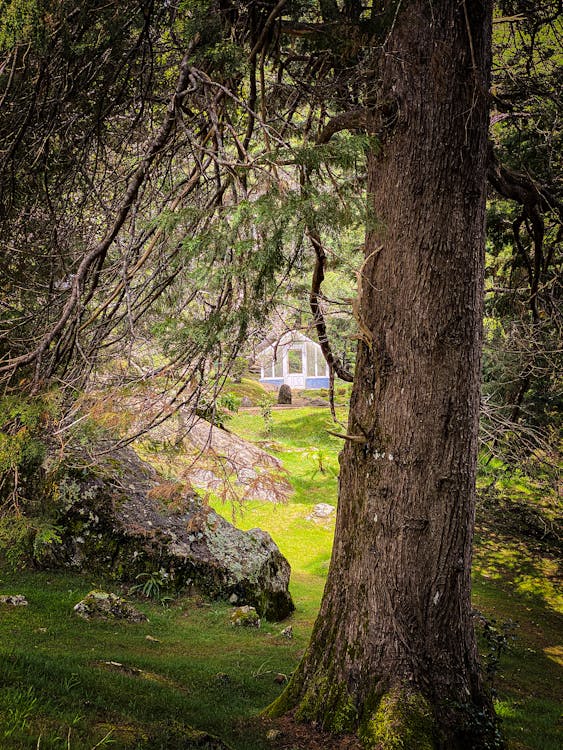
(470, 35)
(350, 438)
(72, 424)
(510, 19)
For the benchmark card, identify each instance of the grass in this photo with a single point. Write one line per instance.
(248, 387)
(198, 662)
(56, 688)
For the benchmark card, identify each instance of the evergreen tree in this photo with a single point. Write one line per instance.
(393, 654)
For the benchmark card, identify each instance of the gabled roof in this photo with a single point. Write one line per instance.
(286, 338)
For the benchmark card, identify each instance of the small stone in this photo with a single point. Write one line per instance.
(246, 617)
(14, 600)
(152, 639)
(287, 632)
(280, 678)
(119, 667)
(233, 599)
(106, 606)
(321, 512)
(318, 402)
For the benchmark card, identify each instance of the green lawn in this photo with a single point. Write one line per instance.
(57, 691)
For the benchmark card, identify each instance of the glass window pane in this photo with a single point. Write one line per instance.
(311, 351)
(278, 366)
(295, 361)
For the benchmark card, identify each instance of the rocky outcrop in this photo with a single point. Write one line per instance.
(114, 519)
(208, 456)
(220, 460)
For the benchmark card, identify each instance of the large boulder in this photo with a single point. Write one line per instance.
(200, 548)
(115, 518)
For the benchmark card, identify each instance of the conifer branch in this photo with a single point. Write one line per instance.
(96, 256)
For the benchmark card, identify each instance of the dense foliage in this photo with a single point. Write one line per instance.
(522, 398)
(170, 173)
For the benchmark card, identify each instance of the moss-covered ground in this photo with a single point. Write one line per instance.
(66, 683)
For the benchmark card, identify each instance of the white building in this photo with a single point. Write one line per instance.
(292, 359)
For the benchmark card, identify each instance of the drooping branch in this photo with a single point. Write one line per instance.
(258, 47)
(520, 188)
(352, 119)
(332, 360)
(536, 201)
(94, 259)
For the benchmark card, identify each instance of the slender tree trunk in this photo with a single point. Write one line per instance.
(393, 652)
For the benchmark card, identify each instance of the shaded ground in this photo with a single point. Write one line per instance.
(287, 734)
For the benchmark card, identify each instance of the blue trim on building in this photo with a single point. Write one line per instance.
(313, 383)
(310, 383)
(276, 382)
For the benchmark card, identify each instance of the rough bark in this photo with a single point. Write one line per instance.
(393, 653)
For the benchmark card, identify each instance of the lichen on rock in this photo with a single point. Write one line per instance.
(110, 520)
(104, 605)
(14, 600)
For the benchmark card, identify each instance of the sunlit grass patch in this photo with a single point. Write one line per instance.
(534, 723)
(511, 564)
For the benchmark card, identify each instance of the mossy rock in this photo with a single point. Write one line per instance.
(108, 519)
(104, 605)
(97, 510)
(245, 617)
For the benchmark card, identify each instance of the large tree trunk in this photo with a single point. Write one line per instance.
(393, 652)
